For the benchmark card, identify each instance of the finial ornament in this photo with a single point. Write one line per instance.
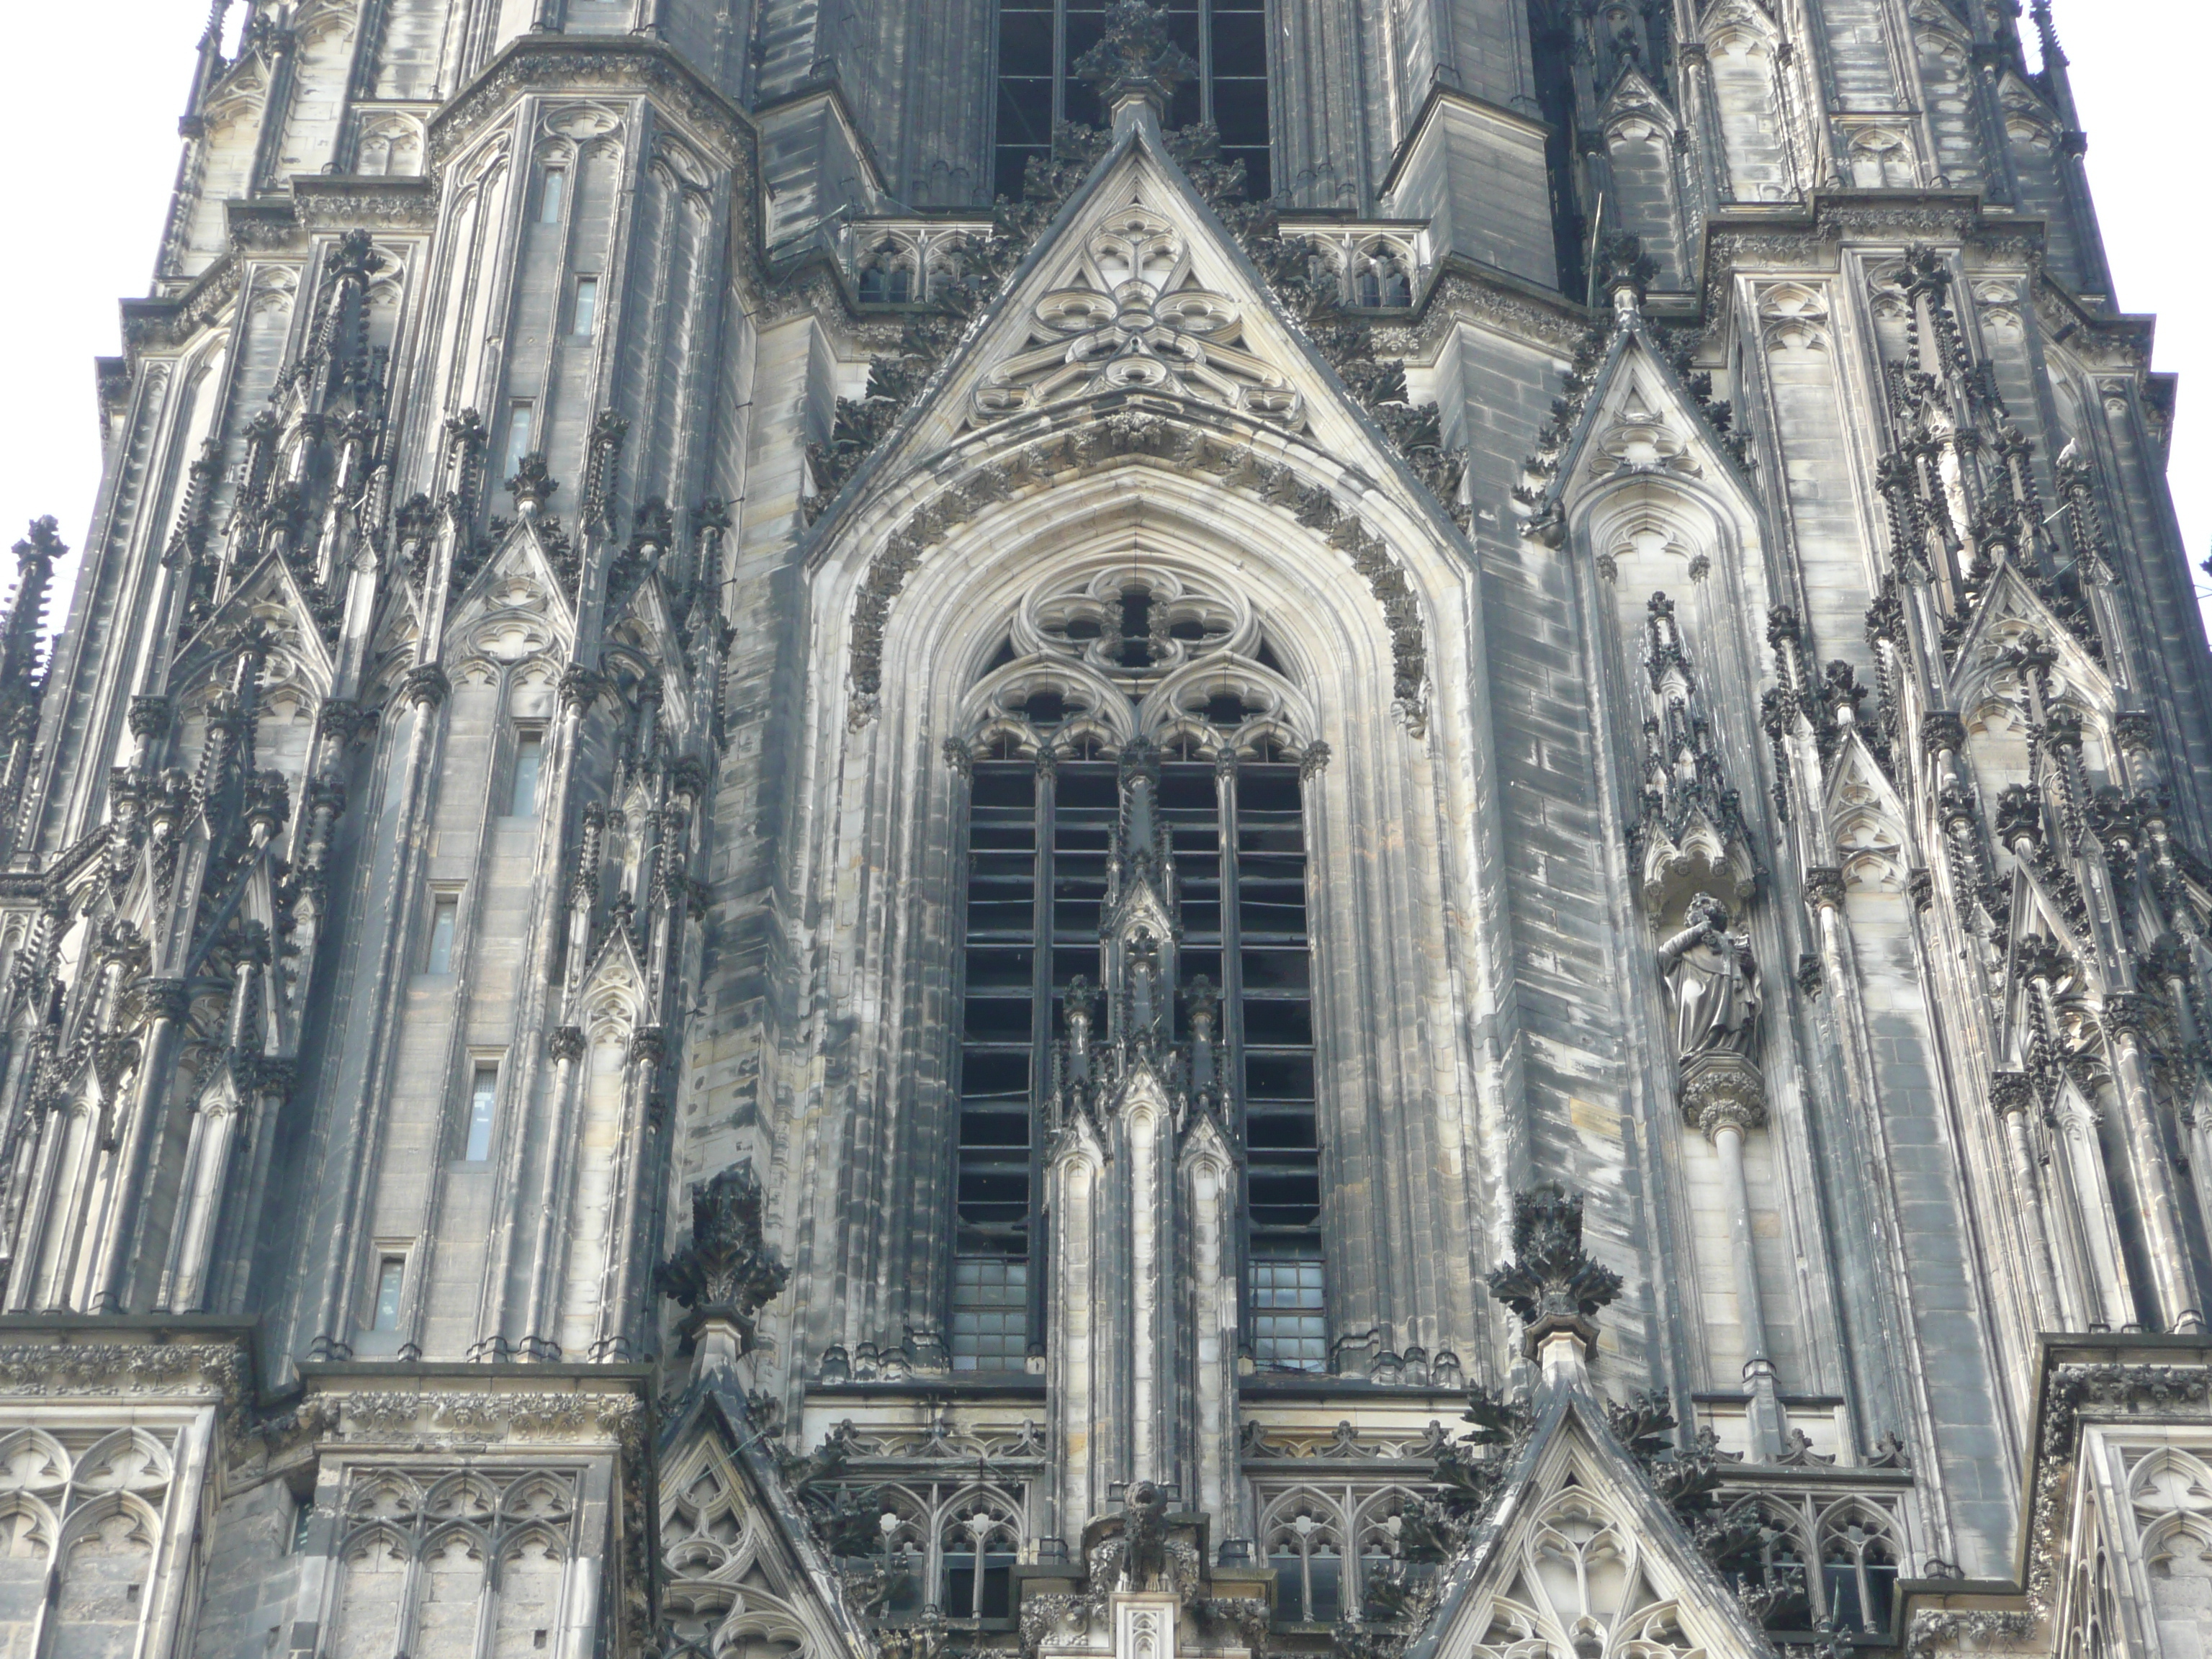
(1135, 58)
(728, 1271)
(1552, 1282)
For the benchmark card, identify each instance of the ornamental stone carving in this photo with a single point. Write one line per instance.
(1137, 318)
(1552, 1283)
(726, 1271)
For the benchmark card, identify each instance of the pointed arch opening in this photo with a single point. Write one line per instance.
(1130, 673)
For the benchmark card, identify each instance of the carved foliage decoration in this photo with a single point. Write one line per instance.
(727, 1265)
(1552, 1282)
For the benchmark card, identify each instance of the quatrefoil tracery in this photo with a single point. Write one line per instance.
(1131, 648)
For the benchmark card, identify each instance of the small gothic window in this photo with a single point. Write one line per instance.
(445, 916)
(391, 1273)
(522, 784)
(1858, 1573)
(520, 420)
(886, 278)
(484, 1102)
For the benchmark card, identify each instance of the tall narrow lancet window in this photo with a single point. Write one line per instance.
(1104, 679)
(1041, 41)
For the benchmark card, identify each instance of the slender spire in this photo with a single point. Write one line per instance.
(34, 562)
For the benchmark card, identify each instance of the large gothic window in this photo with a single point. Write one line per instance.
(1130, 673)
(1041, 41)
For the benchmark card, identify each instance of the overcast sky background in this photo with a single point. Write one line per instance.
(95, 156)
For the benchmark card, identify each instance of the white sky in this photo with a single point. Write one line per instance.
(95, 154)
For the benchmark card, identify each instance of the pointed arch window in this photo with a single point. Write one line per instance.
(1099, 680)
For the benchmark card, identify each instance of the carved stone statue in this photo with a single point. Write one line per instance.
(1712, 984)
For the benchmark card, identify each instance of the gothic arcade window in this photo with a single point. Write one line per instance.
(1049, 772)
(1040, 42)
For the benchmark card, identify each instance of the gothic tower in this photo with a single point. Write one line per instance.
(1038, 827)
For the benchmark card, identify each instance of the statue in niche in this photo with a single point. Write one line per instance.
(1712, 982)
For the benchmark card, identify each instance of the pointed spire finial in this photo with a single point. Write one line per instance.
(1135, 62)
(1624, 271)
(34, 562)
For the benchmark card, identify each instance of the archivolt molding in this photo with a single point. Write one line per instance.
(1140, 434)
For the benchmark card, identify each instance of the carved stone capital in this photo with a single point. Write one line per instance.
(1722, 1090)
(149, 718)
(565, 1044)
(2133, 730)
(2010, 1092)
(1921, 884)
(1943, 729)
(1824, 887)
(164, 998)
(426, 686)
(2126, 1014)
(581, 687)
(648, 1045)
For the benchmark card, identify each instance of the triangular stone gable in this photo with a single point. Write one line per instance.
(520, 577)
(269, 585)
(1633, 94)
(1136, 287)
(742, 1568)
(1638, 417)
(2007, 603)
(1578, 1554)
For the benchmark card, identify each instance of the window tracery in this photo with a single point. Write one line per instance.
(1121, 665)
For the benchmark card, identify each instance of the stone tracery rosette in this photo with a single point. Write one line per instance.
(1138, 320)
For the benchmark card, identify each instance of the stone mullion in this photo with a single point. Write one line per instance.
(637, 1137)
(206, 1162)
(1228, 1068)
(1725, 1130)
(1045, 812)
(1425, 1220)
(55, 801)
(2093, 1206)
(541, 1338)
(168, 998)
(1344, 991)
(231, 1276)
(1824, 895)
(1958, 1048)
(52, 1137)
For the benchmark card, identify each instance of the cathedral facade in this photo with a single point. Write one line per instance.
(1064, 829)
